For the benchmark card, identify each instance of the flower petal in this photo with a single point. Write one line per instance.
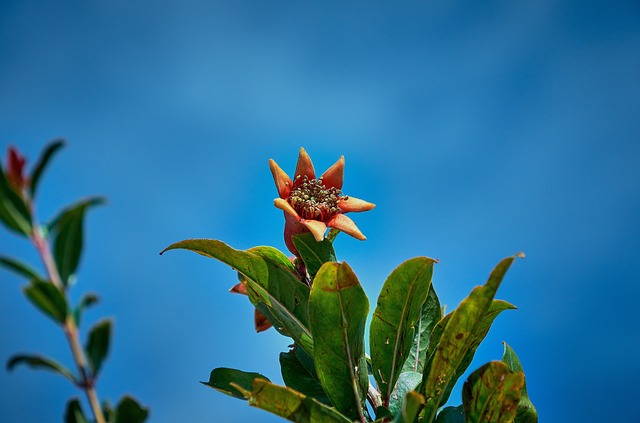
(334, 176)
(346, 225)
(260, 321)
(316, 227)
(282, 180)
(352, 204)
(239, 288)
(286, 207)
(304, 166)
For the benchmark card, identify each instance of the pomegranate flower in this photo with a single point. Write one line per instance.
(313, 205)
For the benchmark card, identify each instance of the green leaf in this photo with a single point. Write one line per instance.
(42, 163)
(430, 314)
(298, 372)
(492, 393)
(292, 405)
(314, 253)
(129, 411)
(411, 407)
(74, 412)
(526, 411)
(14, 213)
(269, 280)
(451, 415)
(40, 362)
(407, 381)
(457, 338)
(67, 229)
(392, 326)
(223, 379)
(48, 299)
(18, 267)
(86, 301)
(338, 309)
(98, 344)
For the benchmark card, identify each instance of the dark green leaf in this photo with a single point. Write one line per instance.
(129, 411)
(526, 411)
(41, 164)
(314, 253)
(338, 309)
(14, 213)
(18, 267)
(67, 229)
(48, 299)
(298, 376)
(269, 282)
(40, 362)
(74, 412)
(407, 381)
(292, 405)
(430, 314)
(411, 407)
(221, 379)
(392, 326)
(457, 338)
(98, 344)
(86, 301)
(491, 394)
(451, 415)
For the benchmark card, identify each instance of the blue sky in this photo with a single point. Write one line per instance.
(478, 128)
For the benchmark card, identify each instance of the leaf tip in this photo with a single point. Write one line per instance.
(520, 254)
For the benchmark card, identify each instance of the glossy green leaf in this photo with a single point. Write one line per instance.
(223, 379)
(86, 301)
(48, 299)
(458, 337)
(430, 314)
(129, 411)
(407, 381)
(338, 309)
(14, 213)
(269, 280)
(451, 415)
(526, 411)
(41, 164)
(411, 406)
(392, 326)
(74, 413)
(40, 362)
(98, 344)
(298, 372)
(292, 405)
(18, 268)
(491, 394)
(314, 253)
(67, 230)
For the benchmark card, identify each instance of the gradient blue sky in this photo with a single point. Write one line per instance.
(478, 128)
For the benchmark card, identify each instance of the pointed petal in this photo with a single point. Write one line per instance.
(261, 323)
(282, 180)
(304, 166)
(316, 227)
(239, 288)
(346, 225)
(352, 204)
(334, 176)
(286, 207)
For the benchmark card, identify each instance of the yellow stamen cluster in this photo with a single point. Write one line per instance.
(312, 200)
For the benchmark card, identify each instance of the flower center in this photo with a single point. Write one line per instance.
(312, 200)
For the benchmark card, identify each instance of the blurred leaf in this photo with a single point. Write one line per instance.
(526, 411)
(48, 299)
(86, 301)
(14, 213)
(430, 314)
(314, 253)
(297, 376)
(129, 411)
(292, 405)
(18, 267)
(392, 326)
(40, 362)
(458, 337)
(491, 394)
(269, 281)
(451, 415)
(98, 344)
(221, 379)
(41, 164)
(411, 407)
(67, 229)
(338, 309)
(407, 381)
(74, 412)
